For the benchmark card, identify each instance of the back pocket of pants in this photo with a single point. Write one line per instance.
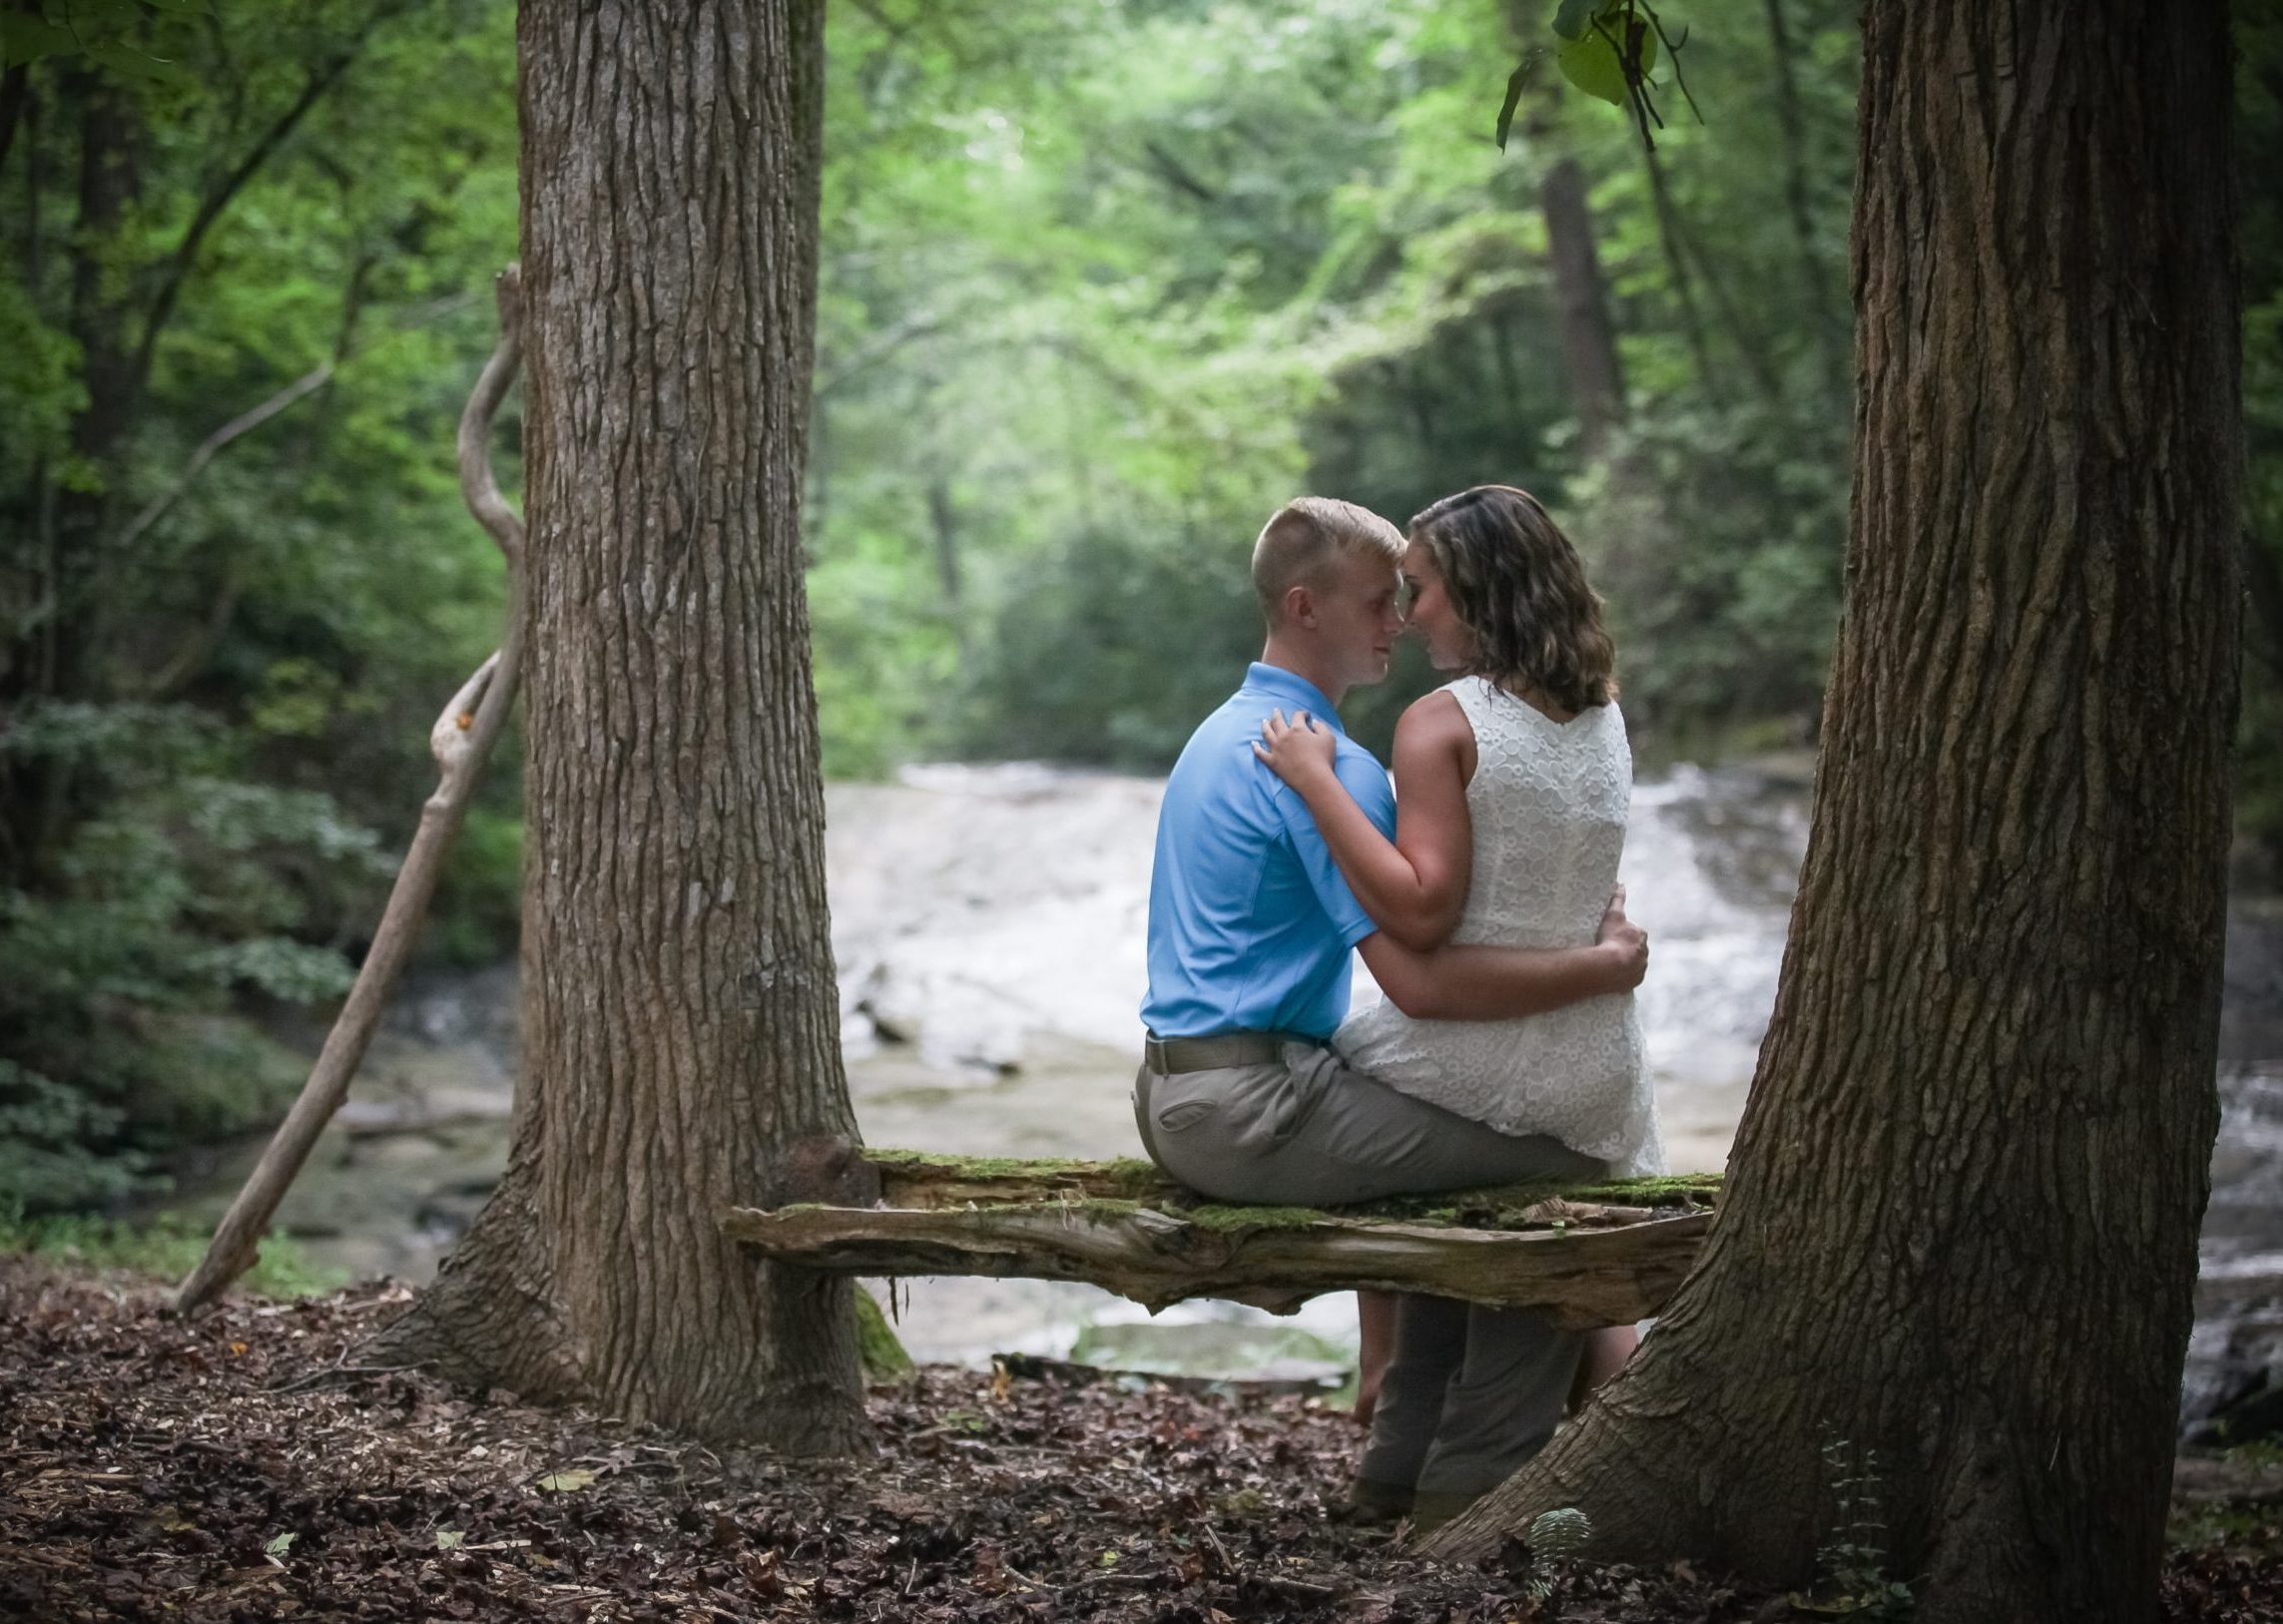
(1174, 1118)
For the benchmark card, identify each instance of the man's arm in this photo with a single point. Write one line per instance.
(1502, 983)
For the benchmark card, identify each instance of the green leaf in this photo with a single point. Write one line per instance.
(1572, 17)
(563, 1482)
(278, 1546)
(1592, 64)
(134, 64)
(1512, 101)
(448, 1539)
(27, 39)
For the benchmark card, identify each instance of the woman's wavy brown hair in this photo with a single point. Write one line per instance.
(1516, 584)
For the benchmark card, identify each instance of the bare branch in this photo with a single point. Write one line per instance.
(245, 422)
(322, 77)
(461, 740)
(474, 443)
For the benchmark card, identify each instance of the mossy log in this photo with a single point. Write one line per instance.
(1597, 1255)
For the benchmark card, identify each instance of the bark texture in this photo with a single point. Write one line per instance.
(1586, 1268)
(1958, 1233)
(679, 1022)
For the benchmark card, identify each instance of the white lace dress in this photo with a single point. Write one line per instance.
(1549, 801)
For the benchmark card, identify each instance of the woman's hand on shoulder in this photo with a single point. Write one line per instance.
(1302, 751)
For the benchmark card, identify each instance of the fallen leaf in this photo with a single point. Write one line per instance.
(562, 1482)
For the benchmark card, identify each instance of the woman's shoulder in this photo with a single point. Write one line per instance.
(1437, 714)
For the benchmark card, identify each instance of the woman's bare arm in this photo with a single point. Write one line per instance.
(1482, 983)
(1415, 885)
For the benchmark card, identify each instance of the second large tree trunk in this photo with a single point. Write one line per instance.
(680, 1018)
(1956, 1258)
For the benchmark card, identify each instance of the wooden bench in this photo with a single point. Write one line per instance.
(1609, 1253)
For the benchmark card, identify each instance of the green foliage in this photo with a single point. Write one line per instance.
(1102, 284)
(1854, 1557)
(164, 1249)
(217, 675)
(174, 900)
(877, 1344)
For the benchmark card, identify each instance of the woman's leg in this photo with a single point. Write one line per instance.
(1606, 1352)
(1375, 1344)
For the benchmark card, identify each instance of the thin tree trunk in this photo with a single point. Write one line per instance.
(1830, 333)
(944, 520)
(1677, 271)
(2263, 580)
(1999, 1004)
(64, 662)
(1751, 345)
(681, 1030)
(15, 96)
(1588, 340)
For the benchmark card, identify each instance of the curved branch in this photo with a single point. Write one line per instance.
(477, 483)
(462, 739)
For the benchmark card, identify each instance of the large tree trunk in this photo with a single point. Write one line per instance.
(1999, 1004)
(680, 1020)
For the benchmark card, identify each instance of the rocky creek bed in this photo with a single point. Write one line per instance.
(241, 1465)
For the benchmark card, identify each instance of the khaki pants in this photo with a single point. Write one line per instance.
(1472, 1393)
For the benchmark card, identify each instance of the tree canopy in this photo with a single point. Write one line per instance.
(1101, 285)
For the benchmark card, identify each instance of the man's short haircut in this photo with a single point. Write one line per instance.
(1302, 539)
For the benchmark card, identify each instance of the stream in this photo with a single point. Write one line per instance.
(988, 926)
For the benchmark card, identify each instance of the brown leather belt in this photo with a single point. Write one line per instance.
(1170, 1056)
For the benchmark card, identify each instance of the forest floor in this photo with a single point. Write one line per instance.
(240, 1467)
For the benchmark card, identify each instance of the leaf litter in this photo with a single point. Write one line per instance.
(243, 1465)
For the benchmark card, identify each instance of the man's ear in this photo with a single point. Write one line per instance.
(1299, 605)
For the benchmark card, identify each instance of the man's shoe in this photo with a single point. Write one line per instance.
(1373, 1502)
(1432, 1508)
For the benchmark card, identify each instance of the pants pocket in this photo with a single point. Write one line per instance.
(1187, 1114)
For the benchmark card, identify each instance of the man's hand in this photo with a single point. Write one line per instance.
(1627, 942)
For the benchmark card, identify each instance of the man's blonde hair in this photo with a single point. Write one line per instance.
(1304, 537)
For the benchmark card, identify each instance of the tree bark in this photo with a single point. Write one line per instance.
(681, 1025)
(1998, 1003)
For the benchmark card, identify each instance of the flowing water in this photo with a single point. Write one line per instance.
(988, 924)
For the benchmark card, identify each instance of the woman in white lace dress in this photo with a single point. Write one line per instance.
(1512, 787)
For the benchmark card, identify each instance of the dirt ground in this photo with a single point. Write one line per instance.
(240, 1467)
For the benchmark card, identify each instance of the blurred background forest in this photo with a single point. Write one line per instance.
(1103, 282)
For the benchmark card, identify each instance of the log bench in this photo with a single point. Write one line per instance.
(1607, 1253)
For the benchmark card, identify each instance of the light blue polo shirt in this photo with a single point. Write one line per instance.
(1250, 923)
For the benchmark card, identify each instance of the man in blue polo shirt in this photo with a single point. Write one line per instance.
(1250, 931)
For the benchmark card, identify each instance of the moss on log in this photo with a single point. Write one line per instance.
(920, 1180)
